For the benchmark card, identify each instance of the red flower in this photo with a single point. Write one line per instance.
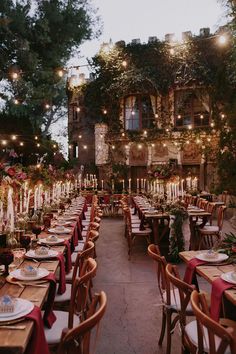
(10, 171)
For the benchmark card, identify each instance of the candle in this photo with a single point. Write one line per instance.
(102, 184)
(137, 184)
(182, 188)
(112, 185)
(141, 183)
(144, 184)
(35, 198)
(129, 183)
(21, 201)
(123, 183)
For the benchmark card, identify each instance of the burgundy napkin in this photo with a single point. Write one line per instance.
(68, 264)
(190, 270)
(62, 275)
(49, 317)
(37, 343)
(217, 290)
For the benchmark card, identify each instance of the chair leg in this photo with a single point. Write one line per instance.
(168, 331)
(163, 327)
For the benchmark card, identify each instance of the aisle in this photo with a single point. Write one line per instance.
(131, 323)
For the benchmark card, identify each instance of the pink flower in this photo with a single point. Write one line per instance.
(10, 171)
(21, 176)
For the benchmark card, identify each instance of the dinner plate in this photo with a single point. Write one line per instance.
(228, 277)
(62, 231)
(204, 257)
(22, 308)
(62, 223)
(51, 254)
(44, 241)
(42, 272)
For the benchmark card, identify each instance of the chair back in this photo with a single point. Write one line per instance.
(87, 252)
(220, 216)
(208, 329)
(77, 339)
(80, 291)
(162, 281)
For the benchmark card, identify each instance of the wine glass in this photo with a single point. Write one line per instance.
(36, 229)
(18, 254)
(25, 241)
(6, 258)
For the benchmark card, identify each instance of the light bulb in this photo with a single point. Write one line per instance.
(124, 63)
(222, 39)
(13, 137)
(179, 116)
(21, 143)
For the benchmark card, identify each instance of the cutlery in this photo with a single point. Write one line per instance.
(12, 327)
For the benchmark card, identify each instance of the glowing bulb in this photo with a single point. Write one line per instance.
(126, 146)
(54, 146)
(124, 63)
(222, 39)
(13, 137)
(133, 113)
(222, 116)
(16, 101)
(179, 116)
(156, 115)
(201, 116)
(38, 145)
(175, 143)
(113, 147)
(104, 111)
(21, 143)
(198, 141)
(15, 76)
(212, 124)
(60, 73)
(47, 106)
(123, 134)
(153, 145)
(164, 144)
(101, 135)
(190, 127)
(139, 146)
(38, 165)
(145, 132)
(78, 109)
(70, 147)
(187, 142)
(209, 139)
(4, 142)
(80, 136)
(85, 147)
(167, 130)
(172, 51)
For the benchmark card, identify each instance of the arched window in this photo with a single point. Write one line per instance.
(191, 108)
(139, 112)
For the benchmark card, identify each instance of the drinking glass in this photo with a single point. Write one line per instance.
(25, 241)
(18, 254)
(6, 258)
(36, 229)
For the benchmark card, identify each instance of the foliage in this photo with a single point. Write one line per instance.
(162, 171)
(35, 42)
(176, 230)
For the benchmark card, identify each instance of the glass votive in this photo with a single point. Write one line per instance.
(18, 254)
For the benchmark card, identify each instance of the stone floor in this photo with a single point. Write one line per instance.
(133, 318)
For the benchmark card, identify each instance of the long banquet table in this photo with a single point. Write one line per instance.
(15, 341)
(211, 272)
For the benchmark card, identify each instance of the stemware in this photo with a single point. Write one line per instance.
(25, 241)
(18, 254)
(6, 258)
(36, 229)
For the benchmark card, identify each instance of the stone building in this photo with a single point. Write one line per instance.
(185, 108)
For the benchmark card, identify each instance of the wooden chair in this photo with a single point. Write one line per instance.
(133, 232)
(78, 304)
(77, 340)
(181, 293)
(167, 296)
(205, 333)
(88, 252)
(211, 234)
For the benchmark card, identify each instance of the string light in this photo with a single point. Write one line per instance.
(47, 105)
(222, 115)
(113, 147)
(145, 132)
(152, 144)
(13, 137)
(172, 51)
(21, 143)
(104, 111)
(179, 116)
(164, 144)
(70, 147)
(54, 145)
(212, 124)
(4, 142)
(222, 39)
(16, 101)
(80, 136)
(124, 63)
(15, 75)
(190, 127)
(139, 146)
(78, 109)
(133, 113)
(36, 138)
(38, 145)
(201, 116)
(60, 72)
(156, 115)
(123, 134)
(85, 147)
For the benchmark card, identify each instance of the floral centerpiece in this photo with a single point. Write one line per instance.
(162, 171)
(178, 214)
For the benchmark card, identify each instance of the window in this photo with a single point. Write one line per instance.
(191, 109)
(75, 112)
(139, 112)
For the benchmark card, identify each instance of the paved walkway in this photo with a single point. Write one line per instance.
(132, 322)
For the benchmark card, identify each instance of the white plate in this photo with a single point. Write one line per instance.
(70, 218)
(228, 277)
(56, 231)
(42, 272)
(44, 241)
(63, 223)
(204, 257)
(51, 254)
(22, 308)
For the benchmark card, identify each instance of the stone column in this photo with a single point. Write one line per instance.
(101, 148)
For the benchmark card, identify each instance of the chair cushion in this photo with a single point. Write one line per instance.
(191, 331)
(66, 296)
(53, 335)
(210, 229)
(79, 248)
(136, 231)
(175, 300)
